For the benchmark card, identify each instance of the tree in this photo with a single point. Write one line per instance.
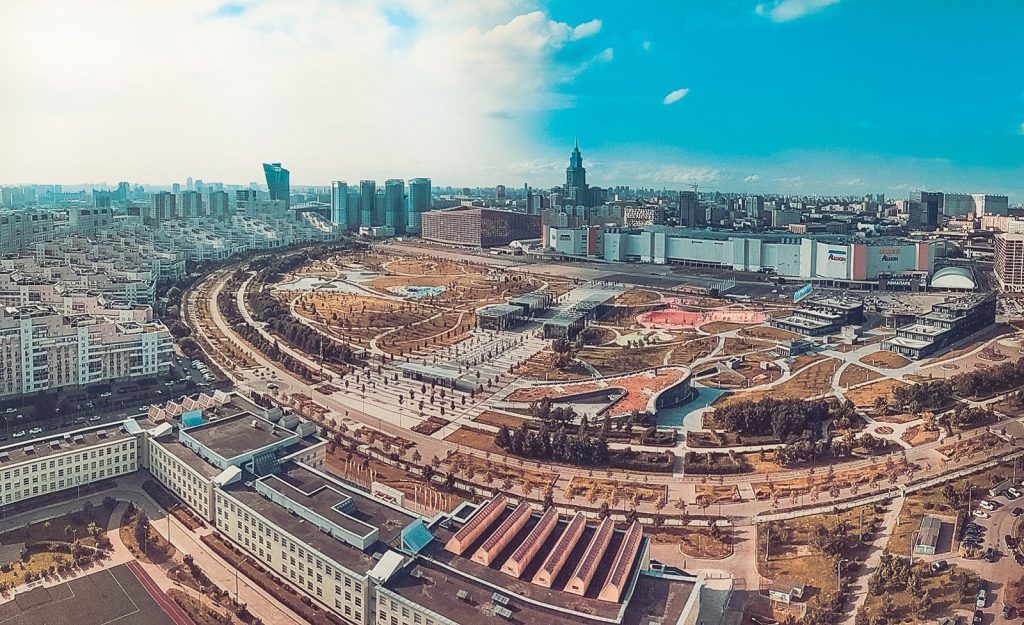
(141, 528)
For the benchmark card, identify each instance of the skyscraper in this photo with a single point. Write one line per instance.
(419, 203)
(690, 213)
(188, 184)
(339, 204)
(394, 196)
(576, 180)
(367, 199)
(162, 208)
(190, 204)
(278, 182)
(218, 205)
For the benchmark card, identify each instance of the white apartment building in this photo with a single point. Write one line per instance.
(52, 464)
(21, 227)
(1008, 264)
(41, 349)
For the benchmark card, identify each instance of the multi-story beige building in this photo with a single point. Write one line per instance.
(41, 349)
(60, 462)
(1009, 262)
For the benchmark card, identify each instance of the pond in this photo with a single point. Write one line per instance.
(417, 292)
(688, 416)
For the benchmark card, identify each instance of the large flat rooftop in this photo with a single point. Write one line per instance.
(366, 509)
(186, 456)
(29, 449)
(236, 435)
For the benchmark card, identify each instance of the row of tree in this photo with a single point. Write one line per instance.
(581, 450)
(784, 419)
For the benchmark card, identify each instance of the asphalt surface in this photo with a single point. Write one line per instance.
(99, 404)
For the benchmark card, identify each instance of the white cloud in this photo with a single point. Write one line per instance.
(586, 29)
(787, 10)
(751, 178)
(646, 45)
(675, 96)
(1021, 129)
(332, 91)
(680, 174)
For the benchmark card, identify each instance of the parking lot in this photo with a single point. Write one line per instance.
(111, 596)
(104, 403)
(986, 531)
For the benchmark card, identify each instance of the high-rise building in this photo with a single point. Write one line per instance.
(378, 208)
(163, 207)
(957, 204)
(419, 203)
(176, 188)
(931, 207)
(394, 200)
(218, 205)
(339, 204)
(691, 214)
(189, 186)
(122, 193)
(190, 205)
(1009, 262)
(278, 182)
(986, 204)
(576, 192)
(367, 201)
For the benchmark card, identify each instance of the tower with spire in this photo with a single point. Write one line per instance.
(576, 192)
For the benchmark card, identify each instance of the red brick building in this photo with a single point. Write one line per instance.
(479, 227)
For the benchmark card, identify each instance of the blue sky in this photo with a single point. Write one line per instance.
(789, 96)
(894, 93)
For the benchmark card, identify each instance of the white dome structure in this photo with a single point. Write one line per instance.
(959, 278)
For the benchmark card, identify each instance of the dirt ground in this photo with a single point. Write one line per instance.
(812, 380)
(856, 374)
(885, 360)
(864, 396)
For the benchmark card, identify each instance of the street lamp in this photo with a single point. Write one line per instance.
(839, 574)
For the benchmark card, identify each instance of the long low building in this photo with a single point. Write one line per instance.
(366, 559)
(947, 322)
(479, 227)
(826, 259)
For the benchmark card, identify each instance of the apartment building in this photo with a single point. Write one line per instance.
(42, 349)
(1008, 263)
(60, 462)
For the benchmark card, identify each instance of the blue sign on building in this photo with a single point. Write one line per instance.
(802, 292)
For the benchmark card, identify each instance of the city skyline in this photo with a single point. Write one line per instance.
(480, 96)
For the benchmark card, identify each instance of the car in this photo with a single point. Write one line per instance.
(35, 431)
(143, 408)
(939, 566)
(973, 526)
(11, 410)
(168, 383)
(1013, 491)
(1008, 611)
(94, 419)
(981, 514)
(988, 505)
(976, 619)
(1017, 511)
(990, 554)
(106, 394)
(18, 434)
(982, 598)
